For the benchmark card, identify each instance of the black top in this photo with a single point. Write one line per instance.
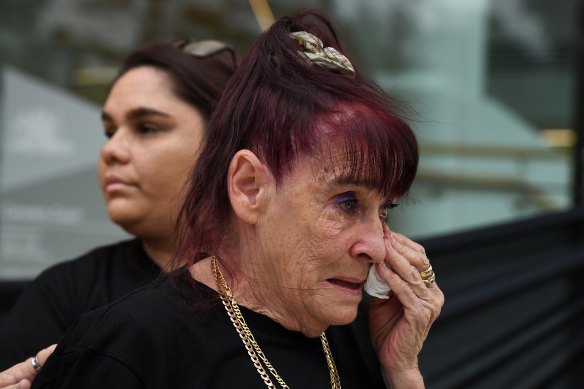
(156, 338)
(52, 303)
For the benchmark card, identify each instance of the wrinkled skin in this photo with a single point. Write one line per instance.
(306, 247)
(400, 325)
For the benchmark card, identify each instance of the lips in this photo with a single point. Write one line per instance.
(114, 183)
(353, 285)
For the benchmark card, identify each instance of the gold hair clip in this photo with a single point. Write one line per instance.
(328, 57)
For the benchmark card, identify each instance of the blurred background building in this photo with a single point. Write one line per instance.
(493, 84)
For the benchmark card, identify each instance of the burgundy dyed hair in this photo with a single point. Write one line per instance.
(283, 108)
(198, 81)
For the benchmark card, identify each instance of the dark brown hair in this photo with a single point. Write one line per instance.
(197, 80)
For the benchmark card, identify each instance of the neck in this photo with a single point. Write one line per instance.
(160, 252)
(265, 298)
(271, 300)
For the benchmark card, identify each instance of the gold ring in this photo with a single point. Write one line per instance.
(427, 273)
(428, 276)
(430, 280)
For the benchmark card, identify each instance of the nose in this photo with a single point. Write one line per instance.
(369, 243)
(117, 148)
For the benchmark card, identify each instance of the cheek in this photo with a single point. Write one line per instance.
(100, 173)
(315, 235)
(324, 244)
(310, 237)
(333, 225)
(318, 230)
(166, 172)
(332, 240)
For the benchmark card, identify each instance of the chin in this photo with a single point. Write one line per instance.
(126, 222)
(343, 315)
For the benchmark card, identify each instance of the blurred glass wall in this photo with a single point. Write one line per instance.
(490, 84)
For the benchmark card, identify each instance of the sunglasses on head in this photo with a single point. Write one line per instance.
(206, 49)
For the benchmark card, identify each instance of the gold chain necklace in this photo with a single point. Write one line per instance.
(253, 349)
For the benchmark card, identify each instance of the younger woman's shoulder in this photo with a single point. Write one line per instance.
(96, 257)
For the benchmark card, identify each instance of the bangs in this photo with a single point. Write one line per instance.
(369, 147)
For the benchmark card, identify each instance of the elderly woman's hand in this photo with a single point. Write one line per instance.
(400, 325)
(20, 376)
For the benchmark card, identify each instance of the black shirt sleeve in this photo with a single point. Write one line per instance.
(38, 319)
(91, 370)
(52, 303)
(107, 348)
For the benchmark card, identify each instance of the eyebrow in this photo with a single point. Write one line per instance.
(136, 114)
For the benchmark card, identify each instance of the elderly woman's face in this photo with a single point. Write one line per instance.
(322, 232)
(153, 141)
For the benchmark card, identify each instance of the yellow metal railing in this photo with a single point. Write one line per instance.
(495, 151)
(493, 181)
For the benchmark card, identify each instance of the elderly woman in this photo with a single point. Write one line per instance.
(287, 211)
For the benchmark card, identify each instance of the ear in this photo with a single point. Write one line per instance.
(248, 183)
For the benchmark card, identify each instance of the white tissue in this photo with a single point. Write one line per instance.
(375, 286)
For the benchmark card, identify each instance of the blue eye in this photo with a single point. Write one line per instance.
(347, 202)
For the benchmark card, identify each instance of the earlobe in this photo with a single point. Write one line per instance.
(247, 178)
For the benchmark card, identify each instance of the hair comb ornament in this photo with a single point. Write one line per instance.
(328, 57)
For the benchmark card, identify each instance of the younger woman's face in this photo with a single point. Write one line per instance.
(153, 140)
